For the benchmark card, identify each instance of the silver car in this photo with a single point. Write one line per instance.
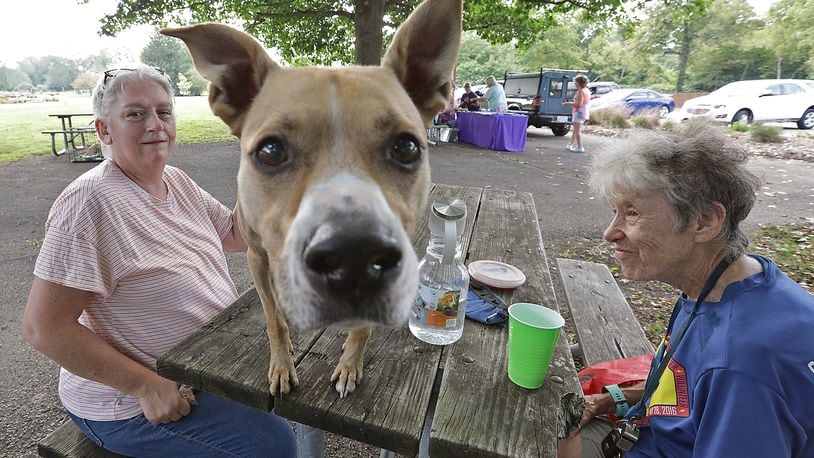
(779, 100)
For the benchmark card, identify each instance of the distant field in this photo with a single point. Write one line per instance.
(21, 124)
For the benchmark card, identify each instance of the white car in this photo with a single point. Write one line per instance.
(757, 101)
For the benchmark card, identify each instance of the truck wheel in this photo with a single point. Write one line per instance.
(561, 129)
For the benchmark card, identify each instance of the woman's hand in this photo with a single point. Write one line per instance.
(161, 401)
(595, 405)
(50, 325)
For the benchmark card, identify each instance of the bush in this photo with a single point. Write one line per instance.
(610, 117)
(740, 127)
(766, 134)
(645, 122)
(669, 124)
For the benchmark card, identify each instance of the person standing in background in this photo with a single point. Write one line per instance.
(469, 100)
(579, 113)
(495, 97)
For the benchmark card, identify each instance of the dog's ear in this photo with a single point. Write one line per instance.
(424, 52)
(232, 61)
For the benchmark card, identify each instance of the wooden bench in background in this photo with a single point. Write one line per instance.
(69, 441)
(605, 325)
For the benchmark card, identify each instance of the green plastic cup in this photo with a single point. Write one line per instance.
(533, 333)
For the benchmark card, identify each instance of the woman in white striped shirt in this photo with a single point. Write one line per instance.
(132, 263)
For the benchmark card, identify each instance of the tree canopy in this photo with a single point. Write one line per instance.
(672, 45)
(327, 31)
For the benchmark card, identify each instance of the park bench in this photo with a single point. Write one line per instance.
(69, 441)
(605, 325)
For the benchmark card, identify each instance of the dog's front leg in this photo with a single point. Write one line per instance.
(282, 374)
(348, 372)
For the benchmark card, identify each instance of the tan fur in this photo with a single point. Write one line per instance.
(338, 126)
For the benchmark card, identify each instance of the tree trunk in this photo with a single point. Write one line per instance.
(779, 66)
(368, 21)
(745, 69)
(684, 56)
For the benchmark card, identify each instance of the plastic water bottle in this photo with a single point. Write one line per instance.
(440, 308)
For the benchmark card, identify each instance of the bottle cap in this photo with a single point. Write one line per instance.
(449, 208)
(497, 274)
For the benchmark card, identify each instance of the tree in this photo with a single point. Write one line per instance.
(168, 54)
(85, 82)
(327, 31)
(61, 74)
(12, 78)
(184, 84)
(97, 63)
(198, 85)
(673, 33)
(36, 68)
(478, 59)
(789, 34)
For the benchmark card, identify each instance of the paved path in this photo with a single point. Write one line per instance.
(28, 404)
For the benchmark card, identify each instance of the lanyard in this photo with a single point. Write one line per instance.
(662, 359)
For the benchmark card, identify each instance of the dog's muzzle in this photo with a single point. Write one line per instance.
(347, 260)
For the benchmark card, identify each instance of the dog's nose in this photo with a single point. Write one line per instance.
(352, 264)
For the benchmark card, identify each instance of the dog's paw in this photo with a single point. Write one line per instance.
(282, 375)
(347, 375)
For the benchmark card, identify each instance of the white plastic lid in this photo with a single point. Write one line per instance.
(497, 274)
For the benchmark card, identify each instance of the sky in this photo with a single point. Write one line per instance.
(35, 28)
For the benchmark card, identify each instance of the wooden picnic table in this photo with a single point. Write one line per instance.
(462, 389)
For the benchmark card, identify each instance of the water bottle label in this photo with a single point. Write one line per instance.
(437, 307)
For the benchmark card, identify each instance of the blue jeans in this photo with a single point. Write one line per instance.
(216, 427)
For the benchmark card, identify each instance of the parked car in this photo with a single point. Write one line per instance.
(600, 88)
(539, 95)
(774, 100)
(635, 102)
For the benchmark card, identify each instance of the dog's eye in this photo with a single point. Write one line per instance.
(406, 150)
(271, 152)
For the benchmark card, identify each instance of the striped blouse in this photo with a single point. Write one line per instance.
(156, 270)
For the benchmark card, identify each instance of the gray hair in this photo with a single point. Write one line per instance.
(106, 93)
(693, 166)
(110, 88)
(490, 80)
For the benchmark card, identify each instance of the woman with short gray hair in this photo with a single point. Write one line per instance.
(133, 261)
(732, 375)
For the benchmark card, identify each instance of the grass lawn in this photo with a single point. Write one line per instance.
(21, 124)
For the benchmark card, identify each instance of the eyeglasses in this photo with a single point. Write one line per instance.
(112, 73)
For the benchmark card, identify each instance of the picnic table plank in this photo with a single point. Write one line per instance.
(388, 408)
(235, 363)
(473, 396)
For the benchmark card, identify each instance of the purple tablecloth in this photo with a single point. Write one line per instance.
(497, 131)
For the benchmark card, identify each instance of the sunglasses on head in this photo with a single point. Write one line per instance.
(112, 73)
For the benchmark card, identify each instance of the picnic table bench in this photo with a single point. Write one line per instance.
(605, 325)
(86, 151)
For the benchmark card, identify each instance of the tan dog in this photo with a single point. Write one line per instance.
(333, 171)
